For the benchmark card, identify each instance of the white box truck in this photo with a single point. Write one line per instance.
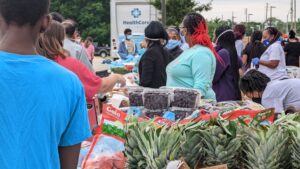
(133, 14)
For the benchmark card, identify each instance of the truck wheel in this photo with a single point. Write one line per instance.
(103, 54)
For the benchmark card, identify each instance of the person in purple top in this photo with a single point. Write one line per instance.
(226, 79)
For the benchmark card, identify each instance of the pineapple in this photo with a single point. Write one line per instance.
(265, 148)
(211, 144)
(296, 150)
(192, 144)
(291, 125)
(152, 147)
(221, 146)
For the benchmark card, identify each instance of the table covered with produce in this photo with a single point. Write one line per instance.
(174, 128)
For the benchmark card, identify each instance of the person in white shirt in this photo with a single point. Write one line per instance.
(239, 33)
(272, 62)
(283, 95)
(75, 49)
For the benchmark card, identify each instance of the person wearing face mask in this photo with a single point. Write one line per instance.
(152, 66)
(174, 43)
(195, 67)
(283, 95)
(127, 48)
(272, 62)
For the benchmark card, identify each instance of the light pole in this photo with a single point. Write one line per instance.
(163, 12)
(267, 11)
(271, 10)
(287, 23)
(232, 19)
(295, 15)
(246, 13)
(250, 14)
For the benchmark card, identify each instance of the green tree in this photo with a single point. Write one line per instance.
(215, 23)
(177, 9)
(93, 16)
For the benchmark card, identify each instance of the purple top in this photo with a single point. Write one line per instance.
(223, 83)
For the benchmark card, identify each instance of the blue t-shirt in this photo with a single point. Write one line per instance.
(42, 107)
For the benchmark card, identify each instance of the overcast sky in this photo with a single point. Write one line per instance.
(256, 7)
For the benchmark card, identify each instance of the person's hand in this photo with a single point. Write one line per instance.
(255, 61)
(130, 58)
(121, 80)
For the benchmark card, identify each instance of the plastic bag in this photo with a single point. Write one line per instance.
(107, 147)
(112, 123)
(105, 153)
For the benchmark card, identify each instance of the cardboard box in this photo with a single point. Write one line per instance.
(217, 167)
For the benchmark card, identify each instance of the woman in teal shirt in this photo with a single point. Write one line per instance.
(195, 67)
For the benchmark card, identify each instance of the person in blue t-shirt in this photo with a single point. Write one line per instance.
(43, 113)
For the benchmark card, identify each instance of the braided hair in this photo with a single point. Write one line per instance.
(226, 40)
(254, 81)
(197, 27)
(273, 31)
(256, 44)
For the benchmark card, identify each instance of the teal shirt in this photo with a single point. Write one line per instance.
(194, 68)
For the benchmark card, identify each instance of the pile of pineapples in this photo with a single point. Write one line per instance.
(203, 144)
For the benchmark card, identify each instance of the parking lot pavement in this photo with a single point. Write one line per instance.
(98, 66)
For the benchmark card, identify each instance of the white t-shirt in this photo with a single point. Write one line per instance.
(282, 94)
(274, 52)
(239, 45)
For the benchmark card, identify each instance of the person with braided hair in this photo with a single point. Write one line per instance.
(226, 79)
(283, 95)
(272, 62)
(195, 67)
(255, 48)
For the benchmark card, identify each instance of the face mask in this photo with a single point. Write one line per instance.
(173, 44)
(266, 42)
(128, 37)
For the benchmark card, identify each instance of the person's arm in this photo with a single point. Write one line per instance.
(221, 67)
(274, 59)
(93, 84)
(84, 59)
(270, 64)
(108, 83)
(147, 65)
(93, 52)
(202, 72)
(77, 128)
(244, 59)
(69, 156)
(271, 102)
(122, 51)
(246, 53)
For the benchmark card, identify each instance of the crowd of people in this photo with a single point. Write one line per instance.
(47, 77)
(220, 68)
